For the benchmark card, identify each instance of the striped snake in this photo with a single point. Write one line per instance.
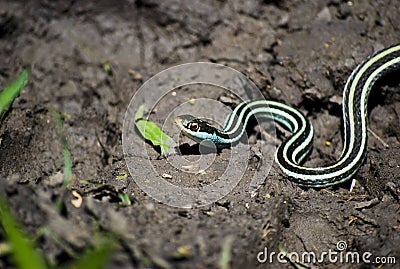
(293, 151)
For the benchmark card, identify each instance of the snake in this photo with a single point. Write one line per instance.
(291, 153)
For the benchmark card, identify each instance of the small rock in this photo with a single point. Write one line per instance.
(336, 99)
(324, 15)
(165, 175)
(56, 180)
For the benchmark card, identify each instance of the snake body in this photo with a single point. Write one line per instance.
(292, 151)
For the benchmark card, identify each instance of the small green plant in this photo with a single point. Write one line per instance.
(226, 253)
(67, 159)
(150, 131)
(22, 249)
(11, 91)
(27, 257)
(66, 151)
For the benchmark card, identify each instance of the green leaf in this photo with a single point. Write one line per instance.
(122, 176)
(107, 67)
(11, 91)
(125, 201)
(139, 113)
(150, 131)
(226, 253)
(24, 253)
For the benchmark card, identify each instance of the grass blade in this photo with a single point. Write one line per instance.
(11, 91)
(66, 151)
(226, 253)
(23, 251)
(67, 158)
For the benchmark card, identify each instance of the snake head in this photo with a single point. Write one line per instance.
(196, 129)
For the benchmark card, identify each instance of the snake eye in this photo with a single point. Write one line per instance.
(193, 126)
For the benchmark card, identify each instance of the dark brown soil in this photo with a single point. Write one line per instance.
(88, 58)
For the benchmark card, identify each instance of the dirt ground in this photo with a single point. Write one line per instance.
(88, 58)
